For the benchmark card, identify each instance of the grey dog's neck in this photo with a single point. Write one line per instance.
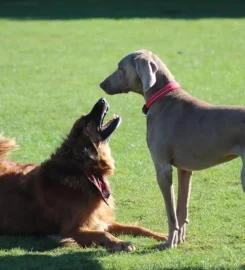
(163, 77)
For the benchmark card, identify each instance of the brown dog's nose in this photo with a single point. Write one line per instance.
(103, 100)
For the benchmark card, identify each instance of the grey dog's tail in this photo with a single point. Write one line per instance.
(7, 145)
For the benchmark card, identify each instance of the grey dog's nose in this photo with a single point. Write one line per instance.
(102, 85)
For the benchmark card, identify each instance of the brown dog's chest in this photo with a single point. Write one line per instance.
(76, 209)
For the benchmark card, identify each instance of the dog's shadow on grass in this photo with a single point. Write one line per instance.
(28, 243)
(74, 260)
(27, 252)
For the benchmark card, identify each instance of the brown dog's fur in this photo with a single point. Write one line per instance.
(56, 197)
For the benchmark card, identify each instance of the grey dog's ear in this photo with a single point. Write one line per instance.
(146, 69)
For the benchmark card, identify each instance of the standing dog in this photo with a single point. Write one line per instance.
(68, 194)
(182, 131)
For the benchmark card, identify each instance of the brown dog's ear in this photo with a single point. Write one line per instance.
(146, 69)
(91, 150)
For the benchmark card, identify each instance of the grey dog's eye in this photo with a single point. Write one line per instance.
(121, 70)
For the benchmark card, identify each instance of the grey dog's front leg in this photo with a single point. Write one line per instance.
(184, 189)
(164, 178)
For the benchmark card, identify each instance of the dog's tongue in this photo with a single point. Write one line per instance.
(101, 185)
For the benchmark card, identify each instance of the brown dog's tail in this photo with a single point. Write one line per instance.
(7, 145)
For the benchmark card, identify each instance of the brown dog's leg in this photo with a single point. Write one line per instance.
(134, 230)
(184, 180)
(86, 238)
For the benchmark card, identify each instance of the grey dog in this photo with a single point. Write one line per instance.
(182, 131)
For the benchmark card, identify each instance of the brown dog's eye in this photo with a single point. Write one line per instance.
(88, 125)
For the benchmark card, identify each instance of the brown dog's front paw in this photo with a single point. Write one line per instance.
(161, 237)
(123, 246)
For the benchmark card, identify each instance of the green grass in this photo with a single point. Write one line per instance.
(49, 75)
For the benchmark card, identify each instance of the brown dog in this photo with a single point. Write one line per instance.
(182, 131)
(68, 194)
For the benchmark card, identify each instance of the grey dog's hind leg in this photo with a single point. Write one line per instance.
(243, 171)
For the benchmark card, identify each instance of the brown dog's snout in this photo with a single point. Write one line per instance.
(103, 101)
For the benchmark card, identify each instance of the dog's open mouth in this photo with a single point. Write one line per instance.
(107, 129)
(98, 114)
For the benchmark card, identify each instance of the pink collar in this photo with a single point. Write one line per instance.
(160, 93)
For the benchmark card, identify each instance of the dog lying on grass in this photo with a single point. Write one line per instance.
(68, 194)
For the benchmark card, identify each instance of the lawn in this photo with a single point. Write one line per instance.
(53, 57)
